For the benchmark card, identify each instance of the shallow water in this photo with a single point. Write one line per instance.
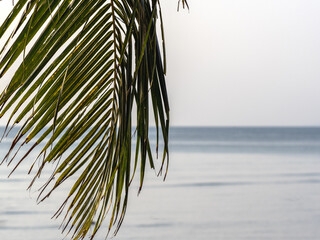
(223, 183)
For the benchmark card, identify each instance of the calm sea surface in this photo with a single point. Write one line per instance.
(223, 183)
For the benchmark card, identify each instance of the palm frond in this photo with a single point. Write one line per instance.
(184, 4)
(82, 66)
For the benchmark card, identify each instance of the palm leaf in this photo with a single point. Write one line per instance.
(82, 66)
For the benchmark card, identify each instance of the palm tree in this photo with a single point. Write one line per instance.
(80, 67)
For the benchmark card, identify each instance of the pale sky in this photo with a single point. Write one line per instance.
(242, 62)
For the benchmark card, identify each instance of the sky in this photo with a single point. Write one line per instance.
(241, 62)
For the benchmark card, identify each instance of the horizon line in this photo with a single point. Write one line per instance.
(222, 126)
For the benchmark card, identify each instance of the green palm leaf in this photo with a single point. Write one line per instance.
(82, 66)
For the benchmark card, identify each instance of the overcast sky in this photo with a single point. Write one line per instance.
(242, 62)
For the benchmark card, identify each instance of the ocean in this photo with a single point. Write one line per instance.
(224, 183)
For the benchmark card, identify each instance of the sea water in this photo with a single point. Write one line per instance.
(223, 183)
